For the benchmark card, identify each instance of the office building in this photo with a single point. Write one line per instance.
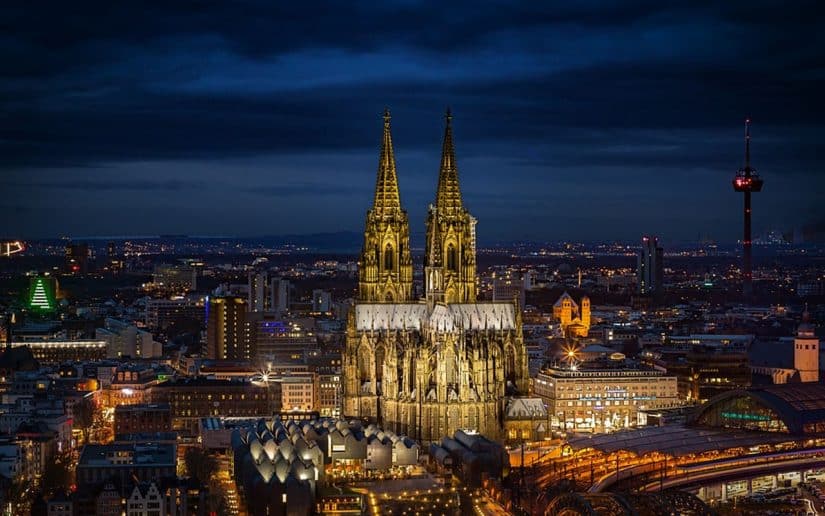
(321, 301)
(160, 313)
(127, 340)
(649, 267)
(280, 341)
(77, 258)
(280, 292)
(228, 333)
(257, 300)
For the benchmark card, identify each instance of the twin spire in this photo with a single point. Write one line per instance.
(448, 193)
(387, 197)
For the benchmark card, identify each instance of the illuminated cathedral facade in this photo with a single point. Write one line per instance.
(428, 367)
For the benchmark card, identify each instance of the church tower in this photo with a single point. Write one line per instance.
(806, 351)
(385, 265)
(450, 252)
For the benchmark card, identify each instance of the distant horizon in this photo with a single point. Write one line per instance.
(359, 234)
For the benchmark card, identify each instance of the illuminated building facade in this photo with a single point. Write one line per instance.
(603, 398)
(228, 333)
(131, 385)
(279, 341)
(429, 367)
(53, 352)
(573, 318)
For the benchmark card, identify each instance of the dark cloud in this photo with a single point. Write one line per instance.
(105, 185)
(620, 94)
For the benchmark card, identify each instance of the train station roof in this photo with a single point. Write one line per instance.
(675, 440)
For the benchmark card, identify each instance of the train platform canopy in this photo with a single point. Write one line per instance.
(676, 440)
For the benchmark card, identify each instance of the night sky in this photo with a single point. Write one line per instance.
(582, 120)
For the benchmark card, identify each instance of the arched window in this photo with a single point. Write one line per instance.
(388, 258)
(452, 258)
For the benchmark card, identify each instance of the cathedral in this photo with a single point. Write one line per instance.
(426, 367)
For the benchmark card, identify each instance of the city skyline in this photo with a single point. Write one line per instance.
(599, 122)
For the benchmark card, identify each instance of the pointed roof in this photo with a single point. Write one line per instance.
(387, 197)
(448, 195)
(561, 299)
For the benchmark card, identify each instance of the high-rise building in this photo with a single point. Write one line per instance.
(279, 295)
(227, 329)
(649, 267)
(321, 301)
(428, 367)
(257, 299)
(77, 258)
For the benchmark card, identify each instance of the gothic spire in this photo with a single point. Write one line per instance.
(386, 186)
(448, 195)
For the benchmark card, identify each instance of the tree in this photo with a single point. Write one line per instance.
(84, 416)
(200, 465)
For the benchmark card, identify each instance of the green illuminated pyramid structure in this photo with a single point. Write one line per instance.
(42, 296)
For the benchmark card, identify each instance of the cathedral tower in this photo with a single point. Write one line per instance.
(385, 265)
(450, 255)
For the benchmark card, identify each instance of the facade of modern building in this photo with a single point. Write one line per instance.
(299, 391)
(321, 301)
(605, 398)
(650, 267)
(279, 341)
(428, 367)
(228, 332)
(54, 352)
(127, 340)
(160, 313)
(329, 394)
(280, 293)
(257, 299)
